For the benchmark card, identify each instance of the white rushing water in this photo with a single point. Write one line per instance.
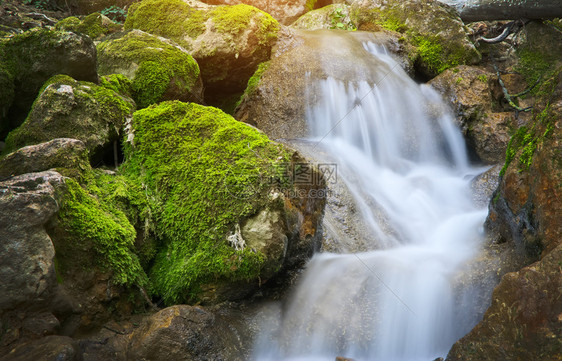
(404, 160)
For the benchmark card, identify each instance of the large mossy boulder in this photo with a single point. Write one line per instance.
(158, 68)
(226, 210)
(228, 42)
(335, 16)
(433, 27)
(67, 108)
(29, 59)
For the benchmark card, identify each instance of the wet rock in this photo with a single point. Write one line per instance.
(59, 348)
(27, 270)
(228, 42)
(433, 27)
(185, 333)
(523, 322)
(80, 110)
(476, 98)
(278, 103)
(158, 68)
(31, 58)
(57, 153)
(485, 184)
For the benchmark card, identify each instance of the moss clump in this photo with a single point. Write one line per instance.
(526, 140)
(254, 81)
(91, 219)
(205, 172)
(234, 19)
(92, 25)
(118, 83)
(162, 67)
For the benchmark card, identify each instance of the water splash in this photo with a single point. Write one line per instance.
(400, 154)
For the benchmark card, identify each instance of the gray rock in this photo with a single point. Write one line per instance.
(26, 257)
(58, 153)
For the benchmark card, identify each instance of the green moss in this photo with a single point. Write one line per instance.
(118, 83)
(150, 83)
(91, 221)
(168, 18)
(483, 78)
(254, 81)
(194, 162)
(92, 25)
(162, 66)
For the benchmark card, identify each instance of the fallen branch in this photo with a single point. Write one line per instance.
(510, 97)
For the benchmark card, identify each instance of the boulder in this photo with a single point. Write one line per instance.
(158, 68)
(433, 27)
(475, 96)
(67, 108)
(523, 320)
(59, 348)
(31, 58)
(285, 11)
(230, 215)
(228, 42)
(27, 269)
(57, 153)
(185, 333)
(277, 104)
(85, 7)
(94, 25)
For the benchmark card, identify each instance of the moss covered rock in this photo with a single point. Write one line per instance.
(94, 25)
(433, 27)
(334, 16)
(158, 68)
(284, 11)
(67, 108)
(207, 176)
(228, 42)
(31, 58)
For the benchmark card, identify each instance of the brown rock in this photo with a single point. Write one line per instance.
(184, 333)
(59, 348)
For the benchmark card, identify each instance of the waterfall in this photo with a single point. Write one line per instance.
(399, 153)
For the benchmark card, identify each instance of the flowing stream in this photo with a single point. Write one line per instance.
(401, 157)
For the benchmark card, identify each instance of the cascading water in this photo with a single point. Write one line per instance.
(404, 161)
